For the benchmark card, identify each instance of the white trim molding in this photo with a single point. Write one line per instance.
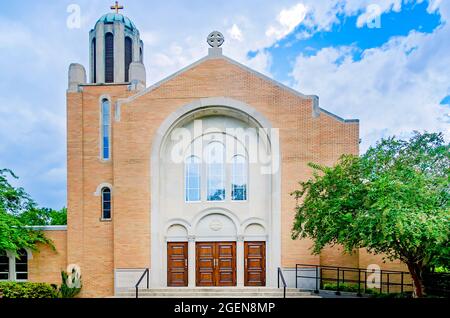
(98, 191)
(49, 228)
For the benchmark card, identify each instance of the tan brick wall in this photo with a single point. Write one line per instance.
(46, 264)
(90, 240)
(365, 259)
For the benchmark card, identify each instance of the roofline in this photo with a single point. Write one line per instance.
(316, 109)
(48, 227)
(326, 112)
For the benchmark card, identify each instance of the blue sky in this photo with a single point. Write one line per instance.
(395, 78)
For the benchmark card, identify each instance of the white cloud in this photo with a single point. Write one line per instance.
(393, 90)
(287, 21)
(261, 62)
(149, 38)
(236, 33)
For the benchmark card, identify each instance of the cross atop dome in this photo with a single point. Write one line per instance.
(117, 7)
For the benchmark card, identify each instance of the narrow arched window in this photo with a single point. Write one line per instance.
(215, 153)
(239, 178)
(105, 133)
(141, 55)
(21, 266)
(109, 58)
(128, 57)
(192, 179)
(94, 60)
(106, 204)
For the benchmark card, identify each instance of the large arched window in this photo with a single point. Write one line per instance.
(128, 57)
(109, 58)
(215, 155)
(106, 129)
(192, 179)
(239, 178)
(94, 60)
(106, 204)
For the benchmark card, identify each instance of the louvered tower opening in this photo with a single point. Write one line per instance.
(128, 57)
(109, 58)
(94, 60)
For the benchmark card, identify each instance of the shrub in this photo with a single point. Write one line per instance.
(27, 290)
(345, 287)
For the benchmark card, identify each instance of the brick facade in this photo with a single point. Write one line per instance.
(46, 265)
(100, 247)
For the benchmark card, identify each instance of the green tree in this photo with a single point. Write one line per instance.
(393, 200)
(14, 235)
(43, 216)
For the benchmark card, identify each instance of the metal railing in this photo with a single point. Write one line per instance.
(355, 278)
(146, 273)
(280, 276)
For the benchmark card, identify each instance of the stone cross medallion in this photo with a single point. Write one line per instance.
(215, 39)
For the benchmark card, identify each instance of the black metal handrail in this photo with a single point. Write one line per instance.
(280, 275)
(146, 273)
(340, 277)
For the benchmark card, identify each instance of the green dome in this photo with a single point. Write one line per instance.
(113, 17)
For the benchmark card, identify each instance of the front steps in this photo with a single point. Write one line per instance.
(215, 292)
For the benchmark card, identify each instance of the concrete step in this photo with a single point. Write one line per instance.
(220, 296)
(216, 289)
(215, 292)
(212, 294)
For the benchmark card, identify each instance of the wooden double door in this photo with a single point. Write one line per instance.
(216, 264)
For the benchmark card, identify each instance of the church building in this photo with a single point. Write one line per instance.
(190, 177)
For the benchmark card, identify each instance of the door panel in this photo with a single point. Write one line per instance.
(177, 264)
(255, 263)
(205, 257)
(216, 264)
(226, 264)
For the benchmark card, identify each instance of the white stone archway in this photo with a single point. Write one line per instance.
(267, 228)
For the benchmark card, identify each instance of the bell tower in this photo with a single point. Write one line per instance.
(116, 51)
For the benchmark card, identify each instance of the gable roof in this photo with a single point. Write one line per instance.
(316, 109)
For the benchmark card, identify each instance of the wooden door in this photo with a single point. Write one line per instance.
(216, 264)
(226, 264)
(255, 263)
(177, 264)
(205, 260)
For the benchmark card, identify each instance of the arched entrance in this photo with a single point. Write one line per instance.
(238, 225)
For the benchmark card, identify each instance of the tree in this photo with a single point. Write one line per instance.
(14, 235)
(393, 200)
(43, 216)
